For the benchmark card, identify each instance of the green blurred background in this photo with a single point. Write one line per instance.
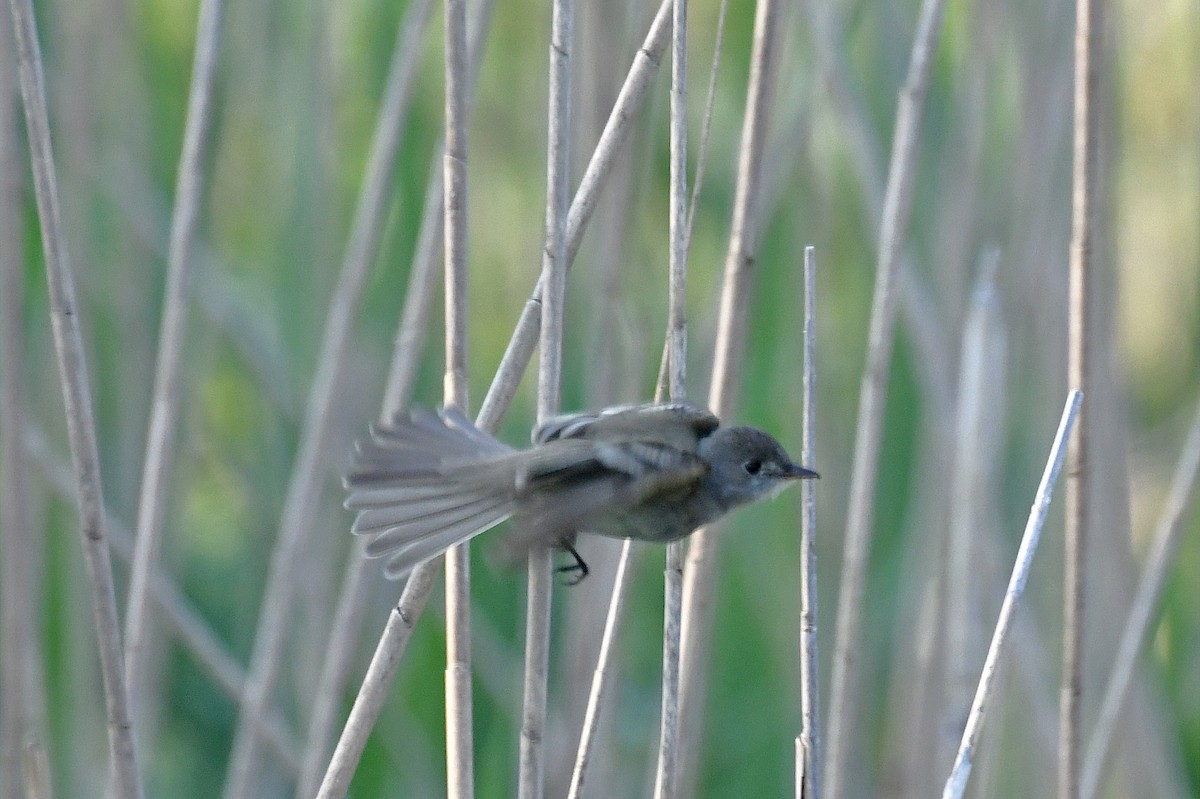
(296, 101)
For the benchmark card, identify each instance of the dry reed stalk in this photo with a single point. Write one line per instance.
(520, 348)
(178, 614)
(1159, 560)
(378, 679)
(926, 332)
(167, 395)
(616, 605)
(402, 374)
(666, 773)
(706, 127)
(620, 123)
(18, 606)
(956, 783)
(808, 744)
(596, 695)
(1081, 326)
(459, 738)
(972, 462)
(303, 487)
(352, 599)
(731, 326)
(81, 430)
(531, 765)
(869, 430)
(801, 757)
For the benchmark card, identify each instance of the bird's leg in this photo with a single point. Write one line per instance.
(578, 568)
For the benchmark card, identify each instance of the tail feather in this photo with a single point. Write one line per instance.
(425, 482)
(417, 550)
(418, 518)
(394, 493)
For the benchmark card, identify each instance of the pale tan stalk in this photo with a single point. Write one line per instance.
(304, 485)
(667, 771)
(1159, 561)
(880, 338)
(378, 680)
(531, 767)
(18, 603)
(801, 758)
(352, 600)
(973, 457)
(591, 719)
(928, 337)
(495, 404)
(731, 328)
(706, 128)
(620, 122)
(1081, 333)
(956, 784)
(402, 375)
(159, 459)
(178, 614)
(808, 745)
(81, 429)
(460, 767)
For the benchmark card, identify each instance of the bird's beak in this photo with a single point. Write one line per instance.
(794, 471)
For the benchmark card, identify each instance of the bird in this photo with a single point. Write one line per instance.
(424, 481)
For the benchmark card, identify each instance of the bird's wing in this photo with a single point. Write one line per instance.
(573, 483)
(679, 425)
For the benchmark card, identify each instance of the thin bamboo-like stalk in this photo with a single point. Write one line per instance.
(678, 227)
(706, 127)
(880, 338)
(81, 429)
(731, 328)
(591, 719)
(394, 639)
(808, 758)
(304, 485)
(347, 617)
(616, 131)
(378, 679)
(531, 766)
(18, 607)
(168, 376)
(666, 774)
(520, 348)
(1081, 329)
(956, 784)
(418, 296)
(460, 769)
(973, 457)
(1159, 560)
(402, 375)
(178, 614)
(866, 158)
(620, 122)
(599, 684)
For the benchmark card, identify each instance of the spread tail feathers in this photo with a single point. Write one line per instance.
(424, 483)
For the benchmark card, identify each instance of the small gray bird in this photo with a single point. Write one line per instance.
(653, 472)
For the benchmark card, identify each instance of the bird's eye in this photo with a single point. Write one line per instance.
(752, 467)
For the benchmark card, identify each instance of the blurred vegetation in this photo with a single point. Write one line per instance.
(297, 98)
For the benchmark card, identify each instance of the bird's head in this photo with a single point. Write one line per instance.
(747, 464)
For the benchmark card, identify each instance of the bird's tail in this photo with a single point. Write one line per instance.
(426, 482)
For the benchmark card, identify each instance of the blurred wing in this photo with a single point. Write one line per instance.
(581, 482)
(679, 425)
